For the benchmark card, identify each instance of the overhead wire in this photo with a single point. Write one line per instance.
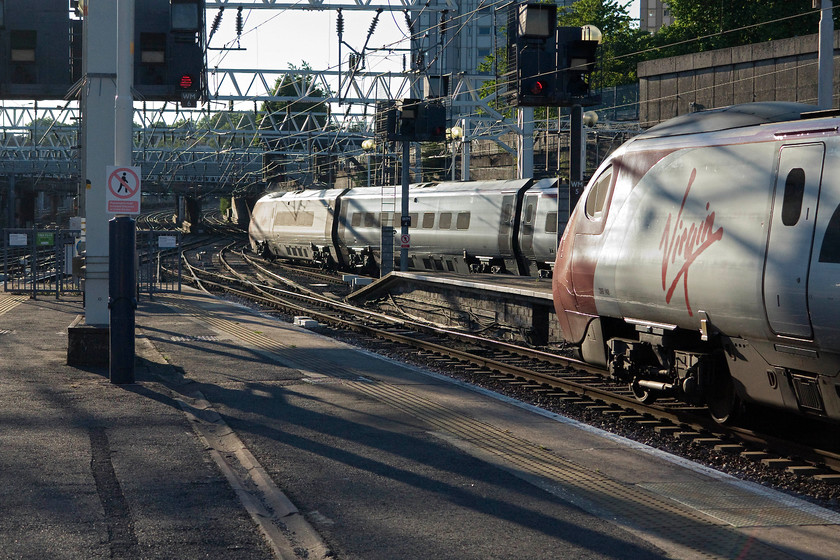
(414, 36)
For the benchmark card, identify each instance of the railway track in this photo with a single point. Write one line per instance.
(545, 378)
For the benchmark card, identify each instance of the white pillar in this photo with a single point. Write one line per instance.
(124, 101)
(97, 104)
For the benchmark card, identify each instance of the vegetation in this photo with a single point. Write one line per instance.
(299, 115)
(699, 25)
(702, 25)
(622, 43)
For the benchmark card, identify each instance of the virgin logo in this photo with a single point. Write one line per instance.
(682, 243)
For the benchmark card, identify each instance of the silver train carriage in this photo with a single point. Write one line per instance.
(703, 261)
(297, 226)
(478, 226)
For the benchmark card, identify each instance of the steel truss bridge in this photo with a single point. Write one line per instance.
(224, 150)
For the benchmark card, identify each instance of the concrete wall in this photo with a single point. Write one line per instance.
(783, 70)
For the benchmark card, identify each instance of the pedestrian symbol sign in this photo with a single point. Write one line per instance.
(122, 193)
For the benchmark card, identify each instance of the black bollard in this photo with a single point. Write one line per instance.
(121, 298)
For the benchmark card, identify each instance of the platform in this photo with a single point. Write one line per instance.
(518, 304)
(247, 437)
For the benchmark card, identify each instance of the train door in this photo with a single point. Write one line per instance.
(529, 214)
(792, 224)
(506, 222)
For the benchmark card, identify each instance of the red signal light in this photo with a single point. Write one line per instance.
(185, 82)
(537, 87)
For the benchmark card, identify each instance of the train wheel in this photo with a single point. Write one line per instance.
(722, 399)
(642, 395)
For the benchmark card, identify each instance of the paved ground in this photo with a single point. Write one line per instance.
(248, 438)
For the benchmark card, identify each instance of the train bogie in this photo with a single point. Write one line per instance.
(711, 240)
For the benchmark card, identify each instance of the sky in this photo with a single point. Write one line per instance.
(274, 39)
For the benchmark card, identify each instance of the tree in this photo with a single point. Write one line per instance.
(295, 120)
(296, 115)
(230, 129)
(622, 44)
(701, 25)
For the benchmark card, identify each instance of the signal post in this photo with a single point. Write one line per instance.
(550, 66)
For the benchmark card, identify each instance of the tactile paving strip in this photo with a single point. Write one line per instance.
(259, 340)
(632, 505)
(741, 508)
(654, 509)
(8, 302)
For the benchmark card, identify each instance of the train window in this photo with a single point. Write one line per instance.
(370, 219)
(463, 221)
(428, 220)
(413, 217)
(356, 219)
(551, 222)
(529, 213)
(830, 251)
(302, 218)
(445, 221)
(794, 192)
(385, 218)
(597, 198)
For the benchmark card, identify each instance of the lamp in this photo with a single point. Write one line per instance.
(591, 33)
(454, 134)
(368, 146)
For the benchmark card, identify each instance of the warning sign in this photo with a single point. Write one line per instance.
(122, 195)
(405, 241)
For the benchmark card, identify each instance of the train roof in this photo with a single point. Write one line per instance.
(725, 118)
(419, 189)
(306, 193)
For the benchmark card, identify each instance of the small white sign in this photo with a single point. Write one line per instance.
(18, 240)
(167, 241)
(122, 192)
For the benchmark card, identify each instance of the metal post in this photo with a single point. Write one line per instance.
(825, 98)
(406, 147)
(575, 156)
(525, 154)
(59, 261)
(12, 201)
(121, 299)
(124, 101)
(465, 151)
(33, 262)
(122, 235)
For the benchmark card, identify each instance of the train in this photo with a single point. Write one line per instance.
(703, 262)
(503, 226)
